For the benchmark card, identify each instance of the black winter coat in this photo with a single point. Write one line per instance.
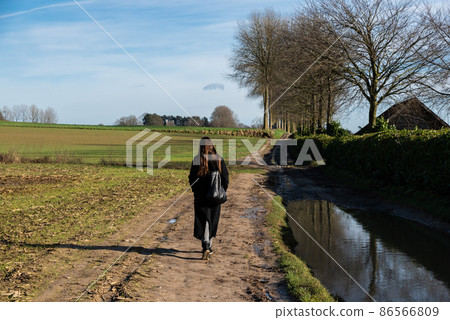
(201, 187)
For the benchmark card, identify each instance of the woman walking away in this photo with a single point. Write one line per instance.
(206, 165)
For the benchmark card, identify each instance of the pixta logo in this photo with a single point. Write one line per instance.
(254, 151)
(151, 144)
(148, 142)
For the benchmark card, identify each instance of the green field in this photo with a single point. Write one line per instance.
(97, 144)
(276, 133)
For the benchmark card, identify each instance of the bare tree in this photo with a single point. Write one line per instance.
(131, 120)
(386, 44)
(223, 116)
(16, 113)
(256, 54)
(439, 20)
(7, 113)
(41, 116)
(24, 113)
(48, 116)
(308, 81)
(34, 113)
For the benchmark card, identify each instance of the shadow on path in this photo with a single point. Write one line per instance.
(141, 250)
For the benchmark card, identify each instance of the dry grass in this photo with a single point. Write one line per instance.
(59, 157)
(10, 157)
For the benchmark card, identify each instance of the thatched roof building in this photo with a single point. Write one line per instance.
(410, 114)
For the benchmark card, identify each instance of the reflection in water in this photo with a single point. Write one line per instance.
(391, 258)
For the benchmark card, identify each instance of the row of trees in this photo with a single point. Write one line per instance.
(25, 113)
(128, 121)
(157, 120)
(222, 116)
(335, 53)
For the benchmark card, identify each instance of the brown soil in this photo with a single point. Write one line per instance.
(165, 264)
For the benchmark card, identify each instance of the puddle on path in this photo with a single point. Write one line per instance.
(393, 259)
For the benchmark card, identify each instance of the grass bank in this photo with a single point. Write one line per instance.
(301, 282)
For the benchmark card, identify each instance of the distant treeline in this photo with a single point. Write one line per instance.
(25, 113)
(170, 120)
(222, 117)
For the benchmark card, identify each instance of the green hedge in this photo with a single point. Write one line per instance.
(418, 159)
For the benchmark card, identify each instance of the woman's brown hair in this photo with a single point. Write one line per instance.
(207, 152)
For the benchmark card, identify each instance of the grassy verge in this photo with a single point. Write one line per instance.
(278, 133)
(44, 205)
(301, 282)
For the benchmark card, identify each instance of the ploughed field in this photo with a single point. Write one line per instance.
(45, 204)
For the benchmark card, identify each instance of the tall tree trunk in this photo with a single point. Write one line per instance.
(271, 117)
(320, 113)
(329, 104)
(373, 112)
(288, 123)
(266, 108)
(282, 124)
(373, 93)
(313, 113)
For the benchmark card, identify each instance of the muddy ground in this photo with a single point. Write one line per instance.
(165, 264)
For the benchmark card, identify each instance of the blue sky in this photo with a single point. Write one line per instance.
(52, 54)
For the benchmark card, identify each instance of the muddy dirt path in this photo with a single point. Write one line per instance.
(165, 264)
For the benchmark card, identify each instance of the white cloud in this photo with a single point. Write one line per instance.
(19, 13)
(214, 86)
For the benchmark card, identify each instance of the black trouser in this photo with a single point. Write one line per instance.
(206, 241)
